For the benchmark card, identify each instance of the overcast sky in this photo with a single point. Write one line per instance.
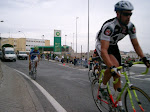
(35, 18)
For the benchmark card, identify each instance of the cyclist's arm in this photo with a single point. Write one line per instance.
(29, 57)
(104, 53)
(137, 47)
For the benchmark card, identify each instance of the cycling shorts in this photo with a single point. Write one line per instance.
(114, 50)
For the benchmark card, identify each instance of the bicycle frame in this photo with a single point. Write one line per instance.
(126, 86)
(33, 66)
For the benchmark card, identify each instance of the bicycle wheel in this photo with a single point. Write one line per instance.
(34, 74)
(100, 102)
(144, 100)
(91, 76)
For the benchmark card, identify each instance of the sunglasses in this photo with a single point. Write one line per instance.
(126, 14)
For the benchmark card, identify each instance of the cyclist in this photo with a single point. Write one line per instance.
(34, 55)
(96, 66)
(111, 32)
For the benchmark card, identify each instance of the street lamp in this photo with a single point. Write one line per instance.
(73, 41)
(76, 33)
(65, 39)
(42, 47)
(88, 32)
(0, 35)
(43, 41)
(23, 33)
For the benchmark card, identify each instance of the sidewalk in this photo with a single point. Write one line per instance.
(16, 95)
(68, 64)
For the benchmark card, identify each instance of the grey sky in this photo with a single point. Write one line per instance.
(40, 17)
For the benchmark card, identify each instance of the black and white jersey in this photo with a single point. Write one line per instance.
(113, 32)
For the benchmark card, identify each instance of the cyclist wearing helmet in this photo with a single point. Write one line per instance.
(34, 55)
(111, 32)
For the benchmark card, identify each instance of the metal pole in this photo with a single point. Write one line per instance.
(88, 32)
(42, 46)
(76, 33)
(73, 41)
(65, 39)
(81, 55)
(23, 33)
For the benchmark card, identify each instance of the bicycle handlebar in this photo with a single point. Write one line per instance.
(134, 63)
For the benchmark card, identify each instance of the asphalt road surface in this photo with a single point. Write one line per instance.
(70, 86)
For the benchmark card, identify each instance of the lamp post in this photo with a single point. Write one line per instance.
(0, 36)
(42, 47)
(65, 39)
(43, 42)
(76, 33)
(23, 33)
(73, 41)
(88, 32)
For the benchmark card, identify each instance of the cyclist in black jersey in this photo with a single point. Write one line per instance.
(110, 33)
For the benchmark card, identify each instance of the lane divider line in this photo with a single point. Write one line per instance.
(55, 104)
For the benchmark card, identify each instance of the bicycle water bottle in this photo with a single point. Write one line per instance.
(117, 92)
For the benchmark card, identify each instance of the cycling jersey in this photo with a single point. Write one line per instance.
(34, 54)
(113, 32)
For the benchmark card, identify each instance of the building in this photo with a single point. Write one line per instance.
(24, 44)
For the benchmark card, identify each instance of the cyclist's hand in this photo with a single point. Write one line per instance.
(146, 62)
(130, 64)
(114, 71)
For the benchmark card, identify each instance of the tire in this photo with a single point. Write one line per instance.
(143, 98)
(101, 105)
(91, 76)
(34, 73)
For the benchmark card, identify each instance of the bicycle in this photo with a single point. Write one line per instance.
(135, 99)
(33, 73)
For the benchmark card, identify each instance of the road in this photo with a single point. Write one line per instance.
(70, 86)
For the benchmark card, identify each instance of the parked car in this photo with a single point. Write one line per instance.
(8, 53)
(22, 55)
(0, 54)
(149, 60)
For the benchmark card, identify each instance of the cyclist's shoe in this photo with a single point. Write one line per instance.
(121, 109)
(104, 93)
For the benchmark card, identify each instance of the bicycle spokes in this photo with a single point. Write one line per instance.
(137, 100)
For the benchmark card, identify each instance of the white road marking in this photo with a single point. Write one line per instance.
(139, 65)
(55, 104)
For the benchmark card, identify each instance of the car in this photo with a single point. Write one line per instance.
(22, 55)
(8, 53)
(0, 54)
(148, 59)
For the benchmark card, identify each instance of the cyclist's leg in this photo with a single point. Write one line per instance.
(36, 64)
(29, 66)
(114, 50)
(95, 66)
(107, 74)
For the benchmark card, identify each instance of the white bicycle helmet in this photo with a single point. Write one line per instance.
(123, 5)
